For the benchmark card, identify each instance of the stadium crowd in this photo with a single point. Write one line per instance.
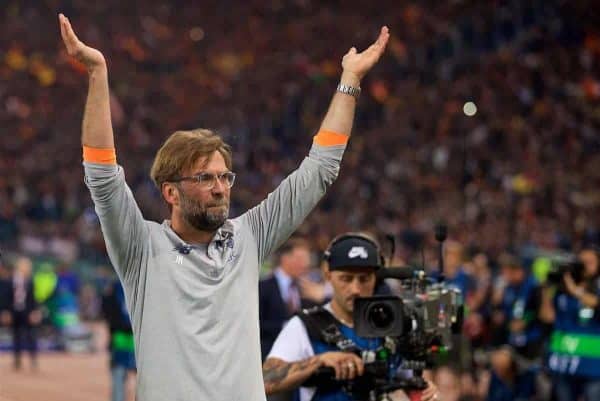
(522, 175)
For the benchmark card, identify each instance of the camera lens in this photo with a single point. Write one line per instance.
(380, 315)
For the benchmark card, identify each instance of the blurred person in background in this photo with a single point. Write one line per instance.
(5, 294)
(191, 284)
(511, 377)
(280, 294)
(454, 269)
(517, 332)
(25, 313)
(299, 351)
(574, 354)
(516, 302)
(475, 326)
(457, 276)
(121, 344)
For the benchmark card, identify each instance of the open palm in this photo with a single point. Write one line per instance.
(89, 56)
(360, 63)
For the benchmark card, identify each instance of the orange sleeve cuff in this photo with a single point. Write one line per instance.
(328, 138)
(101, 156)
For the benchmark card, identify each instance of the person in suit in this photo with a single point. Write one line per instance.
(5, 294)
(281, 294)
(24, 310)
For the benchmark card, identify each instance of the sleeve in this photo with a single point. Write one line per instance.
(125, 230)
(278, 216)
(292, 344)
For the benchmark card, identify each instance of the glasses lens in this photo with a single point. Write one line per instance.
(229, 179)
(206, 180)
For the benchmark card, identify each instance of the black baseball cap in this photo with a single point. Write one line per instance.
(352, 252)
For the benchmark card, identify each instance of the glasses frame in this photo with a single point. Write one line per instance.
(197, 178)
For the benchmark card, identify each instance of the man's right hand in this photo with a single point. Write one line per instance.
(346, 365)
(89, 56)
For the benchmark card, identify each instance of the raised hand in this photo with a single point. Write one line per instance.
(89, 56)
(360, 63)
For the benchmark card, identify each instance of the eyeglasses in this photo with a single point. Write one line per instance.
(208, 180)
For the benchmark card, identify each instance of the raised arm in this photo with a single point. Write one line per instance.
(97, 129)
(123, 226)
(278, 216)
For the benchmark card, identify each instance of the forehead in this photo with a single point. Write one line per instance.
(213, 163)
(300, 249)
(355, 271)
(587, 254)
(511, 269)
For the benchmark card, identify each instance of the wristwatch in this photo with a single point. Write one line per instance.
(348, 90)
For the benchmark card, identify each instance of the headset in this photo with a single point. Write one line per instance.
(358, 235)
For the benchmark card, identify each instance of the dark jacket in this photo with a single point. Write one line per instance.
(273, 312)
(30, 302)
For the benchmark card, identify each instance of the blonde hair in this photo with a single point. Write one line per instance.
(182, 150)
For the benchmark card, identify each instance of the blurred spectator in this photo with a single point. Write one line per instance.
(25, 312)
(455, 272)
(121, 344)
(280, 294)
(511, 380)
(574, 310)
(516, 302)
(5, 294)
(89, 303)
(475, 326)
(456, 276)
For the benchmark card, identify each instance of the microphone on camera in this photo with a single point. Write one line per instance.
(441, 232)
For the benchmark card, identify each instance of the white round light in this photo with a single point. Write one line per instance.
(470, 109)
(196, 34)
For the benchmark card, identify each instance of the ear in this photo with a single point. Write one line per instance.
(325, 270)
(171, 193)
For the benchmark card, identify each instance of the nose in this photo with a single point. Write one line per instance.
(219, 187)
(355, 287)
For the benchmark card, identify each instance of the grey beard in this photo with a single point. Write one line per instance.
(206, 221)
(200, 218)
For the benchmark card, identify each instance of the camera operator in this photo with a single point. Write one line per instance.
(517, 329)
(573, 307)
(298, 353)
(516, 301)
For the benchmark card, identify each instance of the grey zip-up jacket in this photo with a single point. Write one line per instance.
(194, 310)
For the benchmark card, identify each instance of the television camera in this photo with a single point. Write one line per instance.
(413, 329)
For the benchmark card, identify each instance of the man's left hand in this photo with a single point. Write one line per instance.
(571, 286)
(358, 64)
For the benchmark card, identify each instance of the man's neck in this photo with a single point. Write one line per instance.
(190, 234)
(286, 271)
(341, 315)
